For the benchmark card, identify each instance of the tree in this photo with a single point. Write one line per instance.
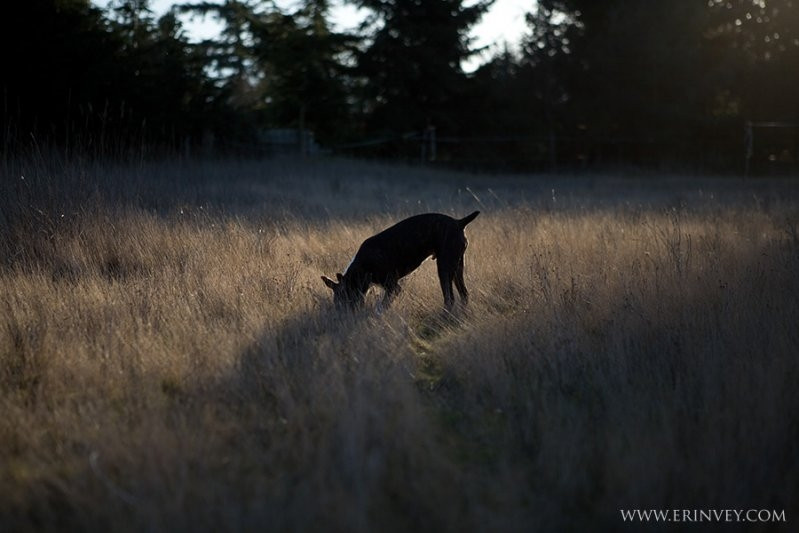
(637, 75)
(758, 42)
(305, 81)
(100, 81)
(51, 52)
(412, 65)
(163, 81)
(279, 69)
(231, 64)
(548, 66)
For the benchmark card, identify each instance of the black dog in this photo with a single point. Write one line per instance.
(399, 250)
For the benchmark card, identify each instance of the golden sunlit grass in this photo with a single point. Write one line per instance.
(171, 359)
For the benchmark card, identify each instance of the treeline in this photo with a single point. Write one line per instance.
(592, 84)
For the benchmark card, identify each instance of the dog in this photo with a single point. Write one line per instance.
(392, 254)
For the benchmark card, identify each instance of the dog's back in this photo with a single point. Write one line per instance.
(399, 250)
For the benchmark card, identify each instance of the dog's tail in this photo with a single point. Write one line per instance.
(468, 218)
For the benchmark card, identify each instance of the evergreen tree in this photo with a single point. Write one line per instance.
(758, 43)
(305, 77)
(231, 63)
(98, 81)
(412, 66)
(637, 77)
(548, 65)
(163, 81)
(53, 53)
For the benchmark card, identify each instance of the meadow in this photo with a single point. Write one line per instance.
(171, 361)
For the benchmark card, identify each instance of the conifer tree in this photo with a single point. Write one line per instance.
(412, 67)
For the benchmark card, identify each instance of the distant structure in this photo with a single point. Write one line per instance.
(285, 141)
(771, 147)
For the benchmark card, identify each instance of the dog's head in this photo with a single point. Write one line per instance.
(345, 294)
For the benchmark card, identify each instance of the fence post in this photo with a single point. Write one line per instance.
(428, 146)
(303, 145)
(432, 130)
(748, 147)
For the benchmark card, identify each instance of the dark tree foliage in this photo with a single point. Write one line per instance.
(592, 83)
(665, 84)
(499, 102)
(412, 66)
(306, 80)
(548, 66)
(160, 78)
(99, 82)
(230, 56)
(642, 61)
(232, 69)
(757, 43)
(280, 69)
(527, 97)
(56, 56)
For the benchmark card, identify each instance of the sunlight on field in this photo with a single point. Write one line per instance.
(172, 361)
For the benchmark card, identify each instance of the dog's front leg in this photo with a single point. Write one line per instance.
(391, 292)
(445, 278)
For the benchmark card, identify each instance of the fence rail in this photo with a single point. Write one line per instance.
(765, 147)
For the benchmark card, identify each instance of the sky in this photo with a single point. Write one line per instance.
(504, 23)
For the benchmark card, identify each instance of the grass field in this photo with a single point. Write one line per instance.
(170, 359)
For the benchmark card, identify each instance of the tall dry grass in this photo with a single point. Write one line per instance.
(170, 360)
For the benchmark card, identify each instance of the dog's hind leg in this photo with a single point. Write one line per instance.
(459, 283)
(445, 276)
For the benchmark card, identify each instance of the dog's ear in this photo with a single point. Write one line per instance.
(339, 277)
(329, 282)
